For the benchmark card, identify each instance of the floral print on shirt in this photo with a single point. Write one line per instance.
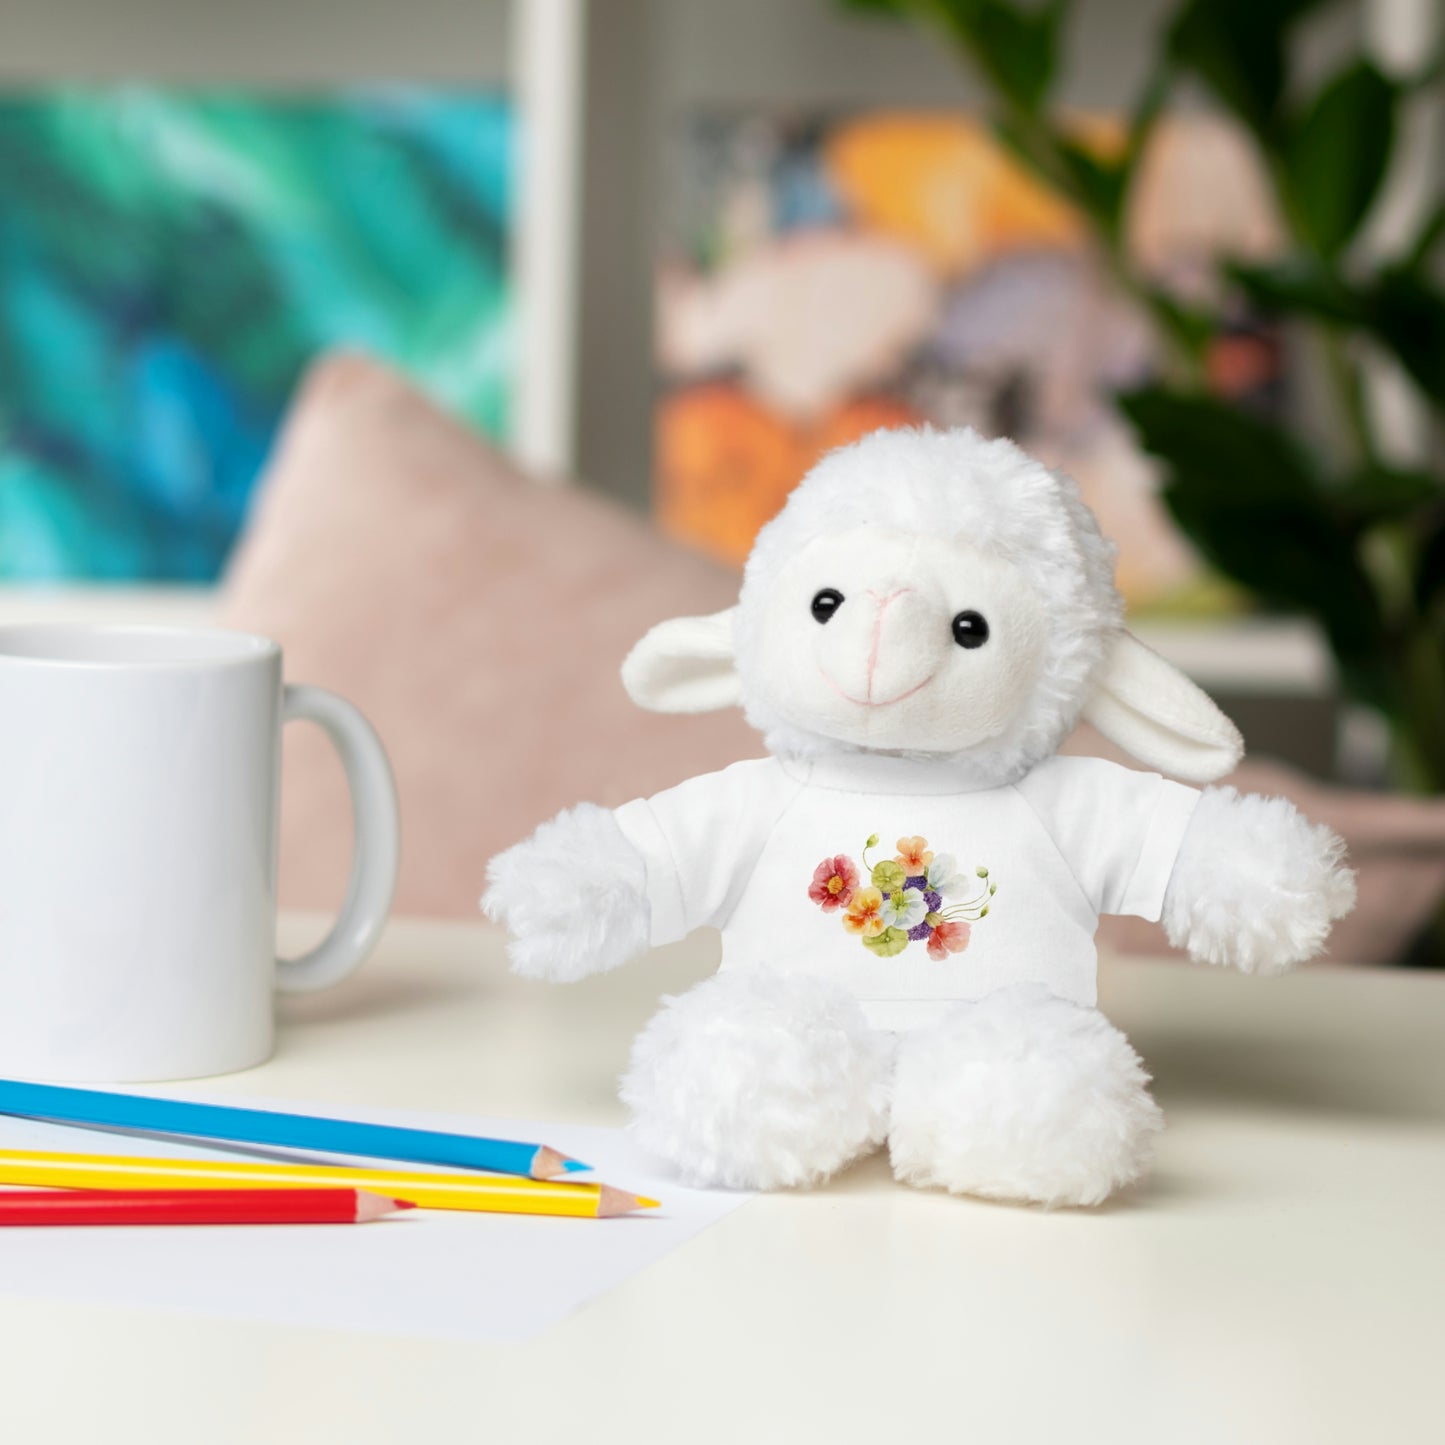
(904, 900)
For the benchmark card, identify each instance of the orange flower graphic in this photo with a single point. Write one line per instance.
(914, 855)
(864, 913)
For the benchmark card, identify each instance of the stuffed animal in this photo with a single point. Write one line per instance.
(909, 885)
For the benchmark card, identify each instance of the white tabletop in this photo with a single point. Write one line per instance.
(1281, 1278)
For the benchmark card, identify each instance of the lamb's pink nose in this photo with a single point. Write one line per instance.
(883, 644)
(882, 601)
(899, 657)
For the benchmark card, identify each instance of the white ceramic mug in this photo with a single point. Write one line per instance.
(139, 786)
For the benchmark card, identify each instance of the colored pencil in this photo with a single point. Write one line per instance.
(150, 1115)
(194, 1206)
(493, 1194)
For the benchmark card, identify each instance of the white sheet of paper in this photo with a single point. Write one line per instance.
(424, 1272)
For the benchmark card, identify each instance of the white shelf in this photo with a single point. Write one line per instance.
(170, 606)
(1268, 656)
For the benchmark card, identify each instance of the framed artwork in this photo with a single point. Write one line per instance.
(822, 276)
(172, 259)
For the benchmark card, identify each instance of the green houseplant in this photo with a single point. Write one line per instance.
(1325, 526)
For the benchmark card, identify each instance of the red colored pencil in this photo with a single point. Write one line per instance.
(194, 1206)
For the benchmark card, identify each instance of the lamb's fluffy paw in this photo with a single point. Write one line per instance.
(1256, 884)
(593, 916)
(759, 1080)
(1022, 1096)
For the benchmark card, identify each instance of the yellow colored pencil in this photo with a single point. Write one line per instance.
(486, 1193)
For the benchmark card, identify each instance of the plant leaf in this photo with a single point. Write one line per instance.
(1099, 183)
(1338, 154)
(1430, 570)
(1237, 47)
(1252, 501)
(1404, 309)
(1244, 459)
(1303, 285)
(1430, 236)
(1381, 493)
(1407, 313)
(1016, 47)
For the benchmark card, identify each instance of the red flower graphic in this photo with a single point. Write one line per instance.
(948, 938)
(834, 880)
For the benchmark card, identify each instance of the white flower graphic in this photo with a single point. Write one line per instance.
(904, 908)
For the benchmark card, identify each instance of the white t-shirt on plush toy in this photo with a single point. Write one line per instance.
(908, 889)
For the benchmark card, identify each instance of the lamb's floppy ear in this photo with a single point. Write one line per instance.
(1154, 712)
(685, 665)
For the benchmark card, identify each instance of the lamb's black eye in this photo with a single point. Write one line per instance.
(826, 603)
(970, 629)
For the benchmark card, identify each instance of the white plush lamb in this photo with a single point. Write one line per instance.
(919, 629)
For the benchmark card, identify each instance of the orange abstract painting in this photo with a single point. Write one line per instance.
(730, 462)
(822, 277)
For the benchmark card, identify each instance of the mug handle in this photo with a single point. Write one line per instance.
(375, 853)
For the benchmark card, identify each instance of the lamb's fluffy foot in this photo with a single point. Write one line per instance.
(1022, 1096)
(759, 1080)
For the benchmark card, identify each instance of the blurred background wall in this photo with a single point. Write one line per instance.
(261, 41)
(672, 248)
(649, 64)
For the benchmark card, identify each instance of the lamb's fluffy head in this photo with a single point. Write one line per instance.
(932, 594)
(914, 529)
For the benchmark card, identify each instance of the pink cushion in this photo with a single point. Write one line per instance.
(477, 618)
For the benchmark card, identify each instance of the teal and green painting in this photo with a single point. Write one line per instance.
(170, 261)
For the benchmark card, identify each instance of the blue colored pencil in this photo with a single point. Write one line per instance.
(149, 1115)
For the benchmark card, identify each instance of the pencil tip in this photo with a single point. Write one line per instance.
(377, 1206)
(611, 1202)
(548, 1164)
